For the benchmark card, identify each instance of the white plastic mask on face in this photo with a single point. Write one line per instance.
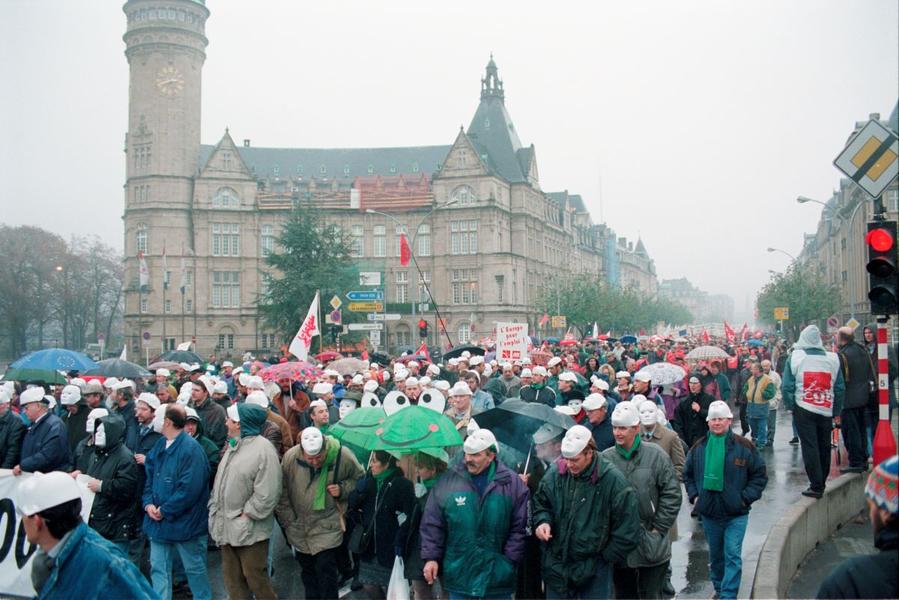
(575, 405)
(159, 418)
(100, 436)
(346, 407)
(69, 396)
(648, 414)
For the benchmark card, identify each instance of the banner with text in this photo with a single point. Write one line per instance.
(16, 553)
(511, 341)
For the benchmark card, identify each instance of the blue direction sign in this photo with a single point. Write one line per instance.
(366, 295)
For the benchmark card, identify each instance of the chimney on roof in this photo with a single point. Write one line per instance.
(246, 142)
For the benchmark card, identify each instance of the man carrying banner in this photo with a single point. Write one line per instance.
(73, 560)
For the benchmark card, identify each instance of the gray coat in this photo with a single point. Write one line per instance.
(652, 475)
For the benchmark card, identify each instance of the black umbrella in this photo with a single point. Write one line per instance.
(514, 421)
(458, 350)
(379, 358)
(116, 367)
(181, 356)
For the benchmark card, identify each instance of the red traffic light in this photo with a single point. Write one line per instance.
(879, 239)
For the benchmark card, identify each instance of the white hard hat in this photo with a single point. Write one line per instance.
(568, 376)
(526, 373)
(70, 395)
(149, 399)
(478, 441)
(460, 389)
(79, 382)
(719, 410)
(322, 388)
(164, 372)
(555, 360)
(258, 398)
(643, 375)
(255, 383)
(594, 402)
(34, 394)
(45, 490)
(220, 387)
(370, 385)
(233, 414)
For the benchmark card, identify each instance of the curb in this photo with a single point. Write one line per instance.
(801, 528)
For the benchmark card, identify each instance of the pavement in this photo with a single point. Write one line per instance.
(851, 539)
(689, 563)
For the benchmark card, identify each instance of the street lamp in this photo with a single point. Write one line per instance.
(782, 252)
(414, 260)
(851, 247)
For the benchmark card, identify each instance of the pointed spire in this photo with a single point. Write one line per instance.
(491, 84)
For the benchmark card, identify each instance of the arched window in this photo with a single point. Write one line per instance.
(142, 237)
(463, 195)
(225, 198)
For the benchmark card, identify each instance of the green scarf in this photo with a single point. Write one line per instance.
(232, 442)
(429, 483)
(538, 386)
(713, 478)
(628, 453)
(331, 449)
(383, 476)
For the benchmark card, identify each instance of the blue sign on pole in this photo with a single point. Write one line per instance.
(366, 295)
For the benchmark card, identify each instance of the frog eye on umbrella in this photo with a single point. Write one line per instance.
(370, 400)
(433, 399)
(395, 401)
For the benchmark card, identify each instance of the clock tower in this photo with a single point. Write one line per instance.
(165, 46)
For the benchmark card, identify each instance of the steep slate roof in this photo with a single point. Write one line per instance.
(565, 199)
(492, 131)
(308, 162)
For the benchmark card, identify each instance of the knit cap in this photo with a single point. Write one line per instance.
(883, 485)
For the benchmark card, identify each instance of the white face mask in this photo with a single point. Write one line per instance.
(346, 407)
(100, 436)
(159, 419)
(575, 405)
(648, 415)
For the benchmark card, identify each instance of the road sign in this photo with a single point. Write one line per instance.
(871, 159)
(366, 306)
(833, 323)
(334, 317)
(370, 278)
(101, 338)
(145, 337)
(384, 317)
(852, 324)
(782, 313)
(424, 307)
(375, 337)
(366, 295)
(559, 322)
(335, 303)
(366, 326)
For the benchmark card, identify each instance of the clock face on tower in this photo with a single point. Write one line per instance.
(169, 81)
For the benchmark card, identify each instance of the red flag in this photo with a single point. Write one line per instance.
(744, 333)
(729, 332)
(642, 331)
(405, 250)
(423, 351)
(544, 320)
(705, 335)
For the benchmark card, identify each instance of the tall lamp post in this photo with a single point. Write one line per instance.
(793, 258)
(415, 261)
(851, 258)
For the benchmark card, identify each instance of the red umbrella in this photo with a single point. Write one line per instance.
(327, 356)
(295, 371)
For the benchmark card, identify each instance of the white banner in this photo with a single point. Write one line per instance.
(16, 553)
(511, 341)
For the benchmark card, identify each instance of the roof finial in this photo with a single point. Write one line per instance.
(491, 84)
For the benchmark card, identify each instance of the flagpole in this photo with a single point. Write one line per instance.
(165, 286)
(321, 335)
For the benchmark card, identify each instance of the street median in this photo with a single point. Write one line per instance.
(802, 527)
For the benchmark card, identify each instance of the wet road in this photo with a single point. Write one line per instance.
(690, 573)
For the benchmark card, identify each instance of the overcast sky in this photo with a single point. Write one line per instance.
(693, 125)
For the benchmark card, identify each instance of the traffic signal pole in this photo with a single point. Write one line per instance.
(884, 442)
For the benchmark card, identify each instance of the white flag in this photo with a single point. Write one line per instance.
(165, 269)
(595, 330)
(302, 341)
(184, 347)
(143, 270)
(124, 354)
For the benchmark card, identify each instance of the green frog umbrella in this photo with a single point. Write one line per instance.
(358, 428)
(414, 428)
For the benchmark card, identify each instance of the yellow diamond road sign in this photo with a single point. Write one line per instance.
(871, 159)
(335, 303)
(366, 306)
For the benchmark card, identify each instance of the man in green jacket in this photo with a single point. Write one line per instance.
(649, 470)
(585, 513)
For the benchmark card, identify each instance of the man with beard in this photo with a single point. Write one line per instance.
(141, 440)
(212, 414)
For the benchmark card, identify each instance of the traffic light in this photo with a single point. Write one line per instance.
(884, 277)
(422, 328)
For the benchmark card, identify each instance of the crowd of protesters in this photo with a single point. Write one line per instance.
(211, 456)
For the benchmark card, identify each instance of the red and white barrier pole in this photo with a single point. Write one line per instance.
(884, 442)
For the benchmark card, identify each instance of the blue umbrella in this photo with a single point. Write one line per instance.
(628, 339)
(755, 343)
(55, 359)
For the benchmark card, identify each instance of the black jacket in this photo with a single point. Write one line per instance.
(545, 395)
(689, 425)
(867, 576)
(858, 375)
(12, 432)
(413, 564)
(397, 495)
(602, 433)
(116, 511)
(75, 424)
(46, 446)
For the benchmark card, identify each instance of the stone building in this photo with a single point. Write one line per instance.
(704, 307)
(487, 239)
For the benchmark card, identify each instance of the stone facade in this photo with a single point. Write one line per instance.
(487, 239)
(704, 307)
